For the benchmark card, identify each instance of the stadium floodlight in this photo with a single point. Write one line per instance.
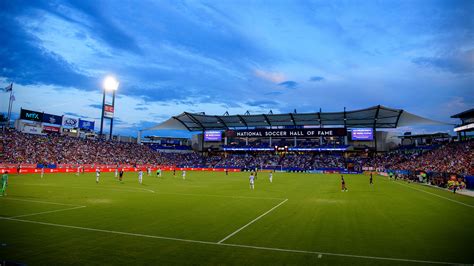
(110, 83)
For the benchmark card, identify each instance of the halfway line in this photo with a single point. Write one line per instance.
(251, 222)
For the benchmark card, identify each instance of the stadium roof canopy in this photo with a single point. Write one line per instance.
(466, 114)
(373, 117)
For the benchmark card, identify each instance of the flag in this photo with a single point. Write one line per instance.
(8, 88)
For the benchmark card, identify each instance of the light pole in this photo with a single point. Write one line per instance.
(110, 84)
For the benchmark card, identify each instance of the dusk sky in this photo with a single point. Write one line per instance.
(217, 56)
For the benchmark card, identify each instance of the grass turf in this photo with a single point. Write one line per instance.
(128, 223)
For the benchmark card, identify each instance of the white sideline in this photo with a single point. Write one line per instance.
(37, 201)
(45, 212)
(251, 222)
(232, 245)
(439, 196)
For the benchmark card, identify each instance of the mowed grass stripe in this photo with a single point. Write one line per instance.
(232, 245)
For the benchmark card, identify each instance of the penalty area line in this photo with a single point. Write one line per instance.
(251, 222)
(45, 212)
(44, 202)
(231, 245)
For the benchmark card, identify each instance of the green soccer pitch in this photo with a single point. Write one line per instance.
(211, 218)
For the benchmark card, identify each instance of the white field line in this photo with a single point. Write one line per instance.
(231, 245)
(38, 213)
(434, 194)
(44, 202)
(251, 222)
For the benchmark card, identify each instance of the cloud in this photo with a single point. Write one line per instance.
(141, 108)
(263, 103)
(275, 77)
(96, 106)
(316, 78)
(75, 114)
(24, 61)
(458, 63)
(289, 84)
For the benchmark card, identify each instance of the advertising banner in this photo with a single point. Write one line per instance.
(31, 115)
(84, 124)
(108, 111)
(70, 122)
(52, 119)
(32, 130)
(287, 133)
(51, 129)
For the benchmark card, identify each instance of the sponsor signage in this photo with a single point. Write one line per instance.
(287, 133)
(319, 149)
(32, 130)
(212, 135)
(52, 119)
(31, 115)
(51, 129)
(70, 122)
(247, 149)
(108, 111)
(84, 124)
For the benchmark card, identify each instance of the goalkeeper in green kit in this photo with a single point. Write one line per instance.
(4, 183)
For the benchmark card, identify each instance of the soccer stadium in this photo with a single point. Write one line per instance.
(217, 151)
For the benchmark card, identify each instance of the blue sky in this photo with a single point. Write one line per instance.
(217, 56)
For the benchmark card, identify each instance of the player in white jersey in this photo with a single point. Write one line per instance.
(271, 177)
(78, 170)
(42, 172)
(184, 175)
(140, 176)
(251, 179)
(116, 172)
(148, 171)
(97, 175)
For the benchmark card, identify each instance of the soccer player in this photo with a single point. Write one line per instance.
(116, 172)
(42, 172)
(148, 171)
(97, 175)
(158, 172)
(140, 176)
(343, 184)
(184, 175)
(18, 169)
(174, 171)
(226, 171)
(371, 179)
(78, 170)
(4, 183)
(251, 179)
(121, 175)
(271, 177)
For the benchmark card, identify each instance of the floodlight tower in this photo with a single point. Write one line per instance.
(110, 84)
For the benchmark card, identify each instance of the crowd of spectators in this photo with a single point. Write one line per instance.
(16, 147)
(456, 157)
